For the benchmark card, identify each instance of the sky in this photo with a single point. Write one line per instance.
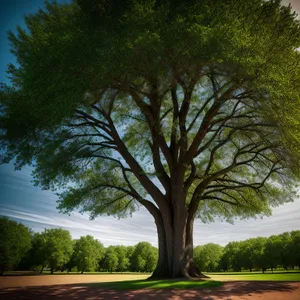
(20, 200)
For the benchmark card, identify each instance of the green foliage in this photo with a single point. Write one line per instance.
(295, 247)
(64, 106)
(285, 249)
(56, 247)
(254, 276)
(15, 241)
(207, 257)
(276, 251)
(234, 255)
(272, 251)
(144, 257)
(36, 257)
(110, 261)
(87, 253)
(123, 258)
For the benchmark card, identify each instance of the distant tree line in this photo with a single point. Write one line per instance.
(54, 250)
(276, 251)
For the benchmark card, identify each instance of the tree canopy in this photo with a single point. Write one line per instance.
(15, 241)
(208, 257)
(56, 247)
(187, 108)
(87, 253)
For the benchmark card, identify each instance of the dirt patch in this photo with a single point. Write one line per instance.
(45, 280)
(91, 291)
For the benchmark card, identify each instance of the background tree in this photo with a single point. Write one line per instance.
(176, 106)
(224, 261)
(123, 258)
(235, 257)
(246, 248)
(110, 261)
(272, 251)
(258, 255)
(285, 250)
(87, 253)
(208, 257)
(15, 241)
(36, 257)
(57, 246)
(295, 248)
(144, 257)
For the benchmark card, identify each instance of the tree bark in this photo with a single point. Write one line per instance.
(176, 261)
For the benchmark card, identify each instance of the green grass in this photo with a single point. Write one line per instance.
(159, 284)
(95, 273)
(247, 276)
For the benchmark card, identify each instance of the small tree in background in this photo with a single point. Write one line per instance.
(258, 254)
(234, 252)
(144, 257)
(57, 246)
(295, 247)
(15, 242)
(208, 257)
(123, 258)
(285, 250)
(87, 253)
(110, 261)
(36, 257)
(273, 251)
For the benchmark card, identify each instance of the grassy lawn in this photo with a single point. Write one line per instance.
(159, 284)
(97, 273)
(247, 276)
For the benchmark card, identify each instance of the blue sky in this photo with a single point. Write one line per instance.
(22, 201)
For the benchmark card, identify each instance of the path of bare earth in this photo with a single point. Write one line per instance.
(75, 287)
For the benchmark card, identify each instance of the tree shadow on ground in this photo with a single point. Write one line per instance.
(93, 291)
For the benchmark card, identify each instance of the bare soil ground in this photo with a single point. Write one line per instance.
(73, 287)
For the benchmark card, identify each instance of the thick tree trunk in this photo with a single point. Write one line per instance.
(174, 223)
(175, 259)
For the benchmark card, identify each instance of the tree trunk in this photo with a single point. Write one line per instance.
(175, 256)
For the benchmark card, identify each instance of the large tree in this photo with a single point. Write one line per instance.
(187, 108)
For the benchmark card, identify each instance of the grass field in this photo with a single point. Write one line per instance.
(247, 276)
(160, 284)
(137, 281)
